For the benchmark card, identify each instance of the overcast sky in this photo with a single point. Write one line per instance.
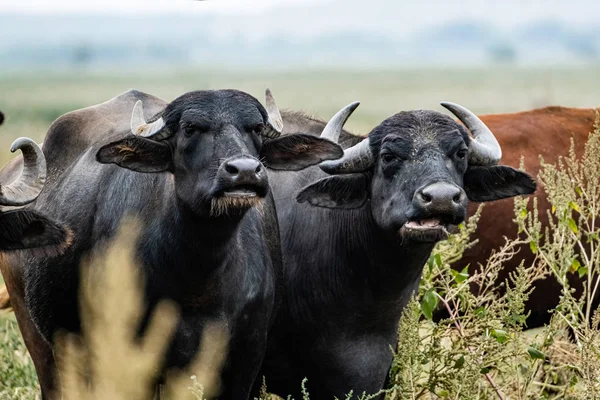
(315, 17)
(142, 6)
(508, 11)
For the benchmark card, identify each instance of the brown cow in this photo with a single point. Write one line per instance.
(548, 132)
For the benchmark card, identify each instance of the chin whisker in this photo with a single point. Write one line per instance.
(225, 205)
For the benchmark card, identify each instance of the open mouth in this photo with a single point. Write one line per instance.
(240, 193)
(430, 229)
(426, 224)
(244, 192)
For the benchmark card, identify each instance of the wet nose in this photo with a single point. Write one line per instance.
(242, 167)
(440, 198)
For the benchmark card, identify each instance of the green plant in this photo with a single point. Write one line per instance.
(481, 351)
(17, 373)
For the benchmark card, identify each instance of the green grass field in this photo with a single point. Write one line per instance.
(32, 101)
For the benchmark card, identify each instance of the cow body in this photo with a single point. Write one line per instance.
(344, 295)
(26, 229)
(202, 243)
(353, 262)
(204, 265)
(545, 132)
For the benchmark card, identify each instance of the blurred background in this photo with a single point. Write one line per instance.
(316, 55)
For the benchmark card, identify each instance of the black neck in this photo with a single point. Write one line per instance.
(188, 251)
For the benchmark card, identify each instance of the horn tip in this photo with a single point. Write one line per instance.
(269, 96)
(19, 143)
(328, 166)
(138, 108)
(137, 117)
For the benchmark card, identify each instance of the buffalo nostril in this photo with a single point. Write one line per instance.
(242, 166)
(230, 168)
(440, 196)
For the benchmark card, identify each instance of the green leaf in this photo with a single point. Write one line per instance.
(575, 264)
(464, 274)
(480, 312)
(574, 206)
(553, 209)
(500, 335)
(429, 303)
(485, 370)
(578, 190)
(573, 381)
(459, 362)
(461, 276)
(430, 263)
(523, 212)
(438, 259)
(443, 393)
(535, 353)
(573, 225)
(533, 247)
(582, 271)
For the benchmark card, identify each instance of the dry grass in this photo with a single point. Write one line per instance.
(108, 360)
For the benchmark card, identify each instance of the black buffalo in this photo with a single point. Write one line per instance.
(355, 243)
(210, 238)
(25, 229)
(21, 229)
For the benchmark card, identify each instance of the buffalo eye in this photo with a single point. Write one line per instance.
(189, 130)
(461, 154)
(387, 157)
(192, 129)
(257, 129)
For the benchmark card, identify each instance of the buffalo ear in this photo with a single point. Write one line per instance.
(298, 151)
(137, 154)
(339, 191)
(497, 182)
(25, 229)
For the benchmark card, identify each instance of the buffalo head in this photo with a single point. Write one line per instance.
(21, 229)
(216, 144)
(416, 171)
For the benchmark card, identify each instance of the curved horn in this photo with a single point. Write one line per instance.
(275, 121)
(334, 127)
(154, 130)
(484, 149)
(357, 158)
(28, 186)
